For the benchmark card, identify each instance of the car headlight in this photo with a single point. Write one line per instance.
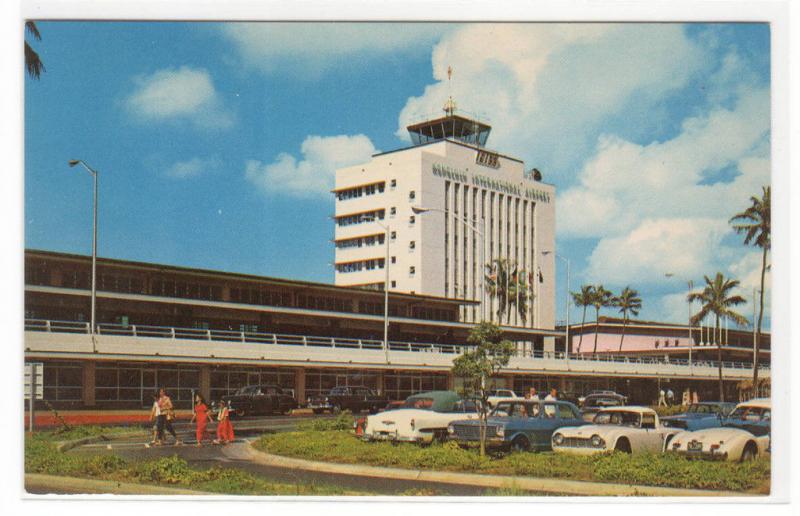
(558, 439)
(598, 441)
(451, 429)
(501, 431)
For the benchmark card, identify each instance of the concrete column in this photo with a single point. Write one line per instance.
(205, 382)
(381, 382)
(88, 384)
(300, 385)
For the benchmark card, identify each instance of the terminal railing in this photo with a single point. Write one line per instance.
(137, 330)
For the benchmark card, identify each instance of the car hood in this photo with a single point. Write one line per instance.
(714, 434)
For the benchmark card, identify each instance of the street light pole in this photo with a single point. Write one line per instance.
(567, 343)
(481, 233)
(94, 174)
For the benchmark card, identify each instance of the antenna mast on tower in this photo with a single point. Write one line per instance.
(450, 105)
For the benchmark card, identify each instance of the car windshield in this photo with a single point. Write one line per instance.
(702, 409)
(623, 418)
(751, 413)
(509, 409)
(419, 403)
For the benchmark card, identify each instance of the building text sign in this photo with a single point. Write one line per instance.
(456, 174)
(34, 376)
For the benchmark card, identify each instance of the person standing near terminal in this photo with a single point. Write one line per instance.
(662, 402)
(670, 398)
(155, 413)
(167, 415)
(224, 426)
(553, 396)
(202, 416)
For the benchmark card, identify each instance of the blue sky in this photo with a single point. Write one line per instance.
(216, 143)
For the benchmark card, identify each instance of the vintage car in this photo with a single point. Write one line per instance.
(260, 399)
(422, 418)
(708, 414)
(497, 395)
(597, 400)
(518, 425)
(355, 399)
(624, 429)
(744, 435)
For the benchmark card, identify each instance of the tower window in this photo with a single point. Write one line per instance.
(412, 195)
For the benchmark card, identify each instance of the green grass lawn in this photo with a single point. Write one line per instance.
(641, 469)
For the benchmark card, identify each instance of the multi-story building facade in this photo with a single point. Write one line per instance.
(448, 207)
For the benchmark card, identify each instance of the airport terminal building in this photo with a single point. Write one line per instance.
(429, 217)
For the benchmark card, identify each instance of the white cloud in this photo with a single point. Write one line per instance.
(312, 175)
(193, 167)
(183, 93)
(684, 247)
(549, 86)
(309, 49)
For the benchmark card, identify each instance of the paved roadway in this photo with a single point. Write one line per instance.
(236, 455)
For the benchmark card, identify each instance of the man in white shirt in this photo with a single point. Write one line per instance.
(553, 396)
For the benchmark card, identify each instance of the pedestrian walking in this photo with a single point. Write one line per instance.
(224, 426)
(670, 397)
(167, 415)
(155, 412)
(202, 416)
(662, 402)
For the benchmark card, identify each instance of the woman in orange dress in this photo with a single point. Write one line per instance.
(202, 416)
(224, 426)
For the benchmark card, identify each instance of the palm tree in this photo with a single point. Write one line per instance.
(583, 299)
(519, 293)
(498, 284)
(601, 298)
(33, 64)
(757, 229)
(628, 301)
(715, 299)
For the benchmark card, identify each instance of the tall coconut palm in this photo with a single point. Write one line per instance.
(716, 298)
(519, 293)
(601, 298)
(33, 63)
(627, 301)
(583, 299)
(756, 226)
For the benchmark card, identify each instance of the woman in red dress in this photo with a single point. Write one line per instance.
(224, 426)
(202, 416)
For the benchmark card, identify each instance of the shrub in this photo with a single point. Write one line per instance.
(343, 421)
(169, 470)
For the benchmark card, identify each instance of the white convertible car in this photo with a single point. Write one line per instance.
(625, 429)
(744, 435)
(422, 418)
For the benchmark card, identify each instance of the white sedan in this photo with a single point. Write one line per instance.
(625, 429)
(422, 418)
(497, 395)
(744, 435)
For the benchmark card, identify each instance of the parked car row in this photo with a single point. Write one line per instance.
(705, 431)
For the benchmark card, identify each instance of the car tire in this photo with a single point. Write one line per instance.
(623, 446)
(749, 452)
(520, 444)
(317, 411)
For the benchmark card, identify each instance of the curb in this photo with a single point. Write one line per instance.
(65, 446)
(539, 485)
(94, 486)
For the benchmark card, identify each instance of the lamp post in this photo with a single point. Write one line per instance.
(93, 172)
(568, 344)
(420, 210)
(373, 218)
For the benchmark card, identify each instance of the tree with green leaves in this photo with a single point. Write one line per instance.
(489, 353)
(601, 298)
(756, 225)
(716, 299)
(33, 63)
(628, 302)
(583, 299)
